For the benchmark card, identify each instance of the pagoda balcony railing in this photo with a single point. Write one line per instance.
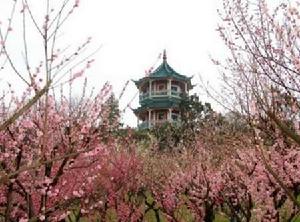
(147, 124)
(176, 93)
(159, 122)
(160, 93)
(144, 96)
(162, 121)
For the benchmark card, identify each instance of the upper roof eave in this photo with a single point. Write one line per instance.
(164, 71)
(181, 78)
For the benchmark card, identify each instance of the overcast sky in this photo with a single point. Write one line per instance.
(134, 32)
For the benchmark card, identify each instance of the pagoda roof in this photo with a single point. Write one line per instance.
(164, 71)
(159, 104)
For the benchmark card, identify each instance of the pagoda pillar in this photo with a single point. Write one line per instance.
(185, 88)
(150, 88)
(169, 87)
(170, 115)
(149, 118)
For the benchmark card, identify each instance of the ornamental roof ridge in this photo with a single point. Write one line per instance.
(164, 71)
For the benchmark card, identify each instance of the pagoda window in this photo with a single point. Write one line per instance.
(161, 87)
(161, 116)
(175, 88)
(175, 116)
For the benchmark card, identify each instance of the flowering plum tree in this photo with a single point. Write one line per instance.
(50, 152)
(43, 66)
(261, 78)
(46, 171)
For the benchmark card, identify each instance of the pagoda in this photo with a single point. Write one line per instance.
(160, 95)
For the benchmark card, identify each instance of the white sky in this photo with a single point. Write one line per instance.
(133, 33)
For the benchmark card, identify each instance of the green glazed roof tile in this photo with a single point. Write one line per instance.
(165, 71)
(159, 104)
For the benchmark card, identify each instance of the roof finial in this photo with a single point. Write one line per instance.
(165, 56)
